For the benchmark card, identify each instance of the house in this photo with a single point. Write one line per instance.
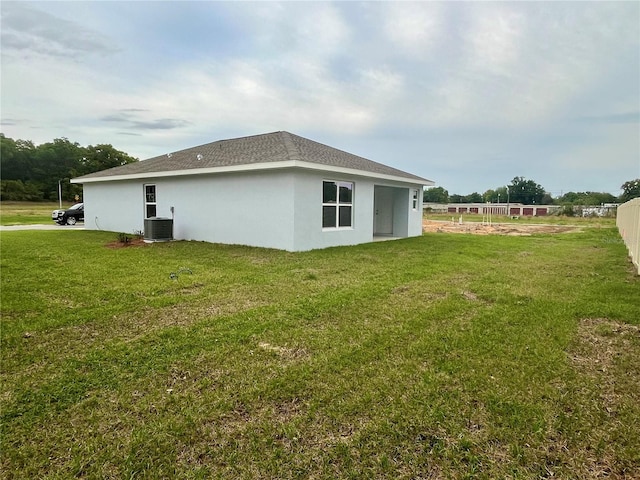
(275, 190)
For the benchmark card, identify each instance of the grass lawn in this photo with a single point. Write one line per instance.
(27, 213)
(443, 356)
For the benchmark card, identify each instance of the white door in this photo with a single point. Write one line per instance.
(383, 211)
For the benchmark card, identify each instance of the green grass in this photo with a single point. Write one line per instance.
(444, 356)
(27, 213)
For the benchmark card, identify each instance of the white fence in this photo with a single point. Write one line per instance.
(628, 222)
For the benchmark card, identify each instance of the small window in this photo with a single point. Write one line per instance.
(337, 204)
(414, 200)
(150, 201)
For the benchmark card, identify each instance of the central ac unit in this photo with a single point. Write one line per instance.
(158, 229)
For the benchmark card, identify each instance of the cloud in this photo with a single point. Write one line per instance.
(127, 117)
(282, 31)
(493, 38)
(322, 34)
(413, 28)
(519, 66)
(519, 86)
(627, 117)
(27, 31)
(229, 93)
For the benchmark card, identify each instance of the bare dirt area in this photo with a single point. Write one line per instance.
(131, 242)
(480, 228)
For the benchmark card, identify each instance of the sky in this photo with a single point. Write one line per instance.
(467, 94)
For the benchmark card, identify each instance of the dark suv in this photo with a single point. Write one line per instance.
(69, 216)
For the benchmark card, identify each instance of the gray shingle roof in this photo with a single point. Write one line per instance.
(257, 149)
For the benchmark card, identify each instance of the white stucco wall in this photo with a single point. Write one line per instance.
(243, 208)
(414, 228)
(249, 208)
(309, 233)
(113, 206)
(276, 209)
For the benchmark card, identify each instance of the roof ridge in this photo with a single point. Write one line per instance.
(219, 141)
(292, 151)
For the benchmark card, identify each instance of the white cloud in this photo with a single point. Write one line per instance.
(413, 28)
(478, 75)
(493, 37)
(248, 90)
(28, 31)
(520, 69)
(322, 32)
(317, 30)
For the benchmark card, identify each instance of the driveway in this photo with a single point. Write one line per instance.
(51, 226)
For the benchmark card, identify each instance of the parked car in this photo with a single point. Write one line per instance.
(70, 216)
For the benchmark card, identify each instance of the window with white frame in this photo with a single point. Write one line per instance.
(414, 201)
(337, 204)
(150, 201)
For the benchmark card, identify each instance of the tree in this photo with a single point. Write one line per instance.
(547, 199)
(474, 197)
(36, 172)
(586, 198)
(15, 158)
(16, 190)
(53, 161)
(569, 197)
(489, 195)
(494, 196)
(525, 191)
(102, 157)
(630, 189)
(435, 195)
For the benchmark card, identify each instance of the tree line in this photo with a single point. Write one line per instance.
(34, 172)
(528, 192)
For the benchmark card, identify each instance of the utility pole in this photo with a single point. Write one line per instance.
(508, 209)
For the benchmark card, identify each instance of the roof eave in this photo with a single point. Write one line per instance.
(253, 167)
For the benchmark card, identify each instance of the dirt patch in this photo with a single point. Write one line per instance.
(480, 228)
(609, 352)
(284, 352)
(470, 296)
(133, 242)
(602, 345)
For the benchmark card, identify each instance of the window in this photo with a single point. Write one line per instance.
(149, 201)
(414, 201)
(337, 204)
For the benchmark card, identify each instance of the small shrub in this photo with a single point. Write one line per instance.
(123, 238)
(567, 211)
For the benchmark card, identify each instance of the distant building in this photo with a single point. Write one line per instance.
(435, 207)
(604, 210)
(511, 209)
